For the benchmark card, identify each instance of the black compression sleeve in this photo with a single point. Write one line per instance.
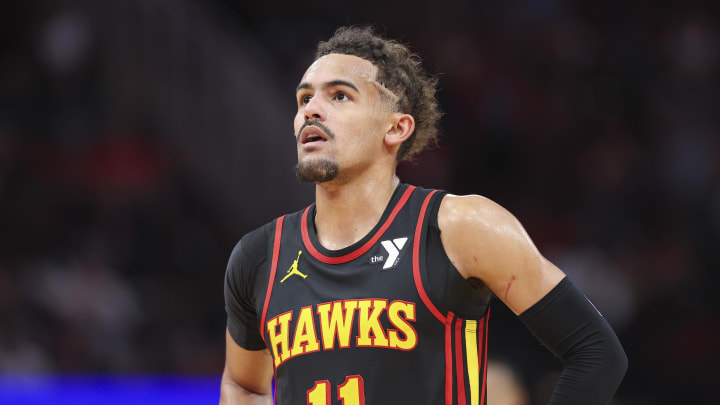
(570, 326)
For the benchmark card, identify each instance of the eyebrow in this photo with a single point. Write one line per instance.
(332, 83)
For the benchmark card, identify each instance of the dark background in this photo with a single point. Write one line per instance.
(140, 139)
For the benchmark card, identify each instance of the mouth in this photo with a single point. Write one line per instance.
(312, 135)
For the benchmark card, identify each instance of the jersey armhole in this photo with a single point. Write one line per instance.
(274, 254)
(439, 272)
(433, 281)
(241, 278)
(434, 226)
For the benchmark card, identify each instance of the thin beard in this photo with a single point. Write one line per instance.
(317, 171)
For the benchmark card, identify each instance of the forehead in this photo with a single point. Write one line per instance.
(337, 66)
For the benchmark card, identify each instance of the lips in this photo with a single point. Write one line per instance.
(312, 134)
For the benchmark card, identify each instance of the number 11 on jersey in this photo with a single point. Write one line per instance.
(351, 392)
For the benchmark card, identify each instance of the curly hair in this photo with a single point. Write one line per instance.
(401, 72)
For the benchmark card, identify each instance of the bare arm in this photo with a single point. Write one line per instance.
(247, 377)
(485, 241)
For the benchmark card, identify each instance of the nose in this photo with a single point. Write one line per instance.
(314, 109)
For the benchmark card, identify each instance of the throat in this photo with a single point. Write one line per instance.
(342, 237)
(345, 220)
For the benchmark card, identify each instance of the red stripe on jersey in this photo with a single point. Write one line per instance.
(273, 269)
(364, 248)
(361, 388)
(448, 360)
(482, 340)
(416, 261)
(459, 362)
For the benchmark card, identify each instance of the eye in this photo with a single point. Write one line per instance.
(304, 99)
(340, 96)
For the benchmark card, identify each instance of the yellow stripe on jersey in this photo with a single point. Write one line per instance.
(471, 348)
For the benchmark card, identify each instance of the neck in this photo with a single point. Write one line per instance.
(349, 211)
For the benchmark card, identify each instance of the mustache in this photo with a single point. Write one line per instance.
(315, 123)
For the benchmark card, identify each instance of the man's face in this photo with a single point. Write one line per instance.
(341, 118)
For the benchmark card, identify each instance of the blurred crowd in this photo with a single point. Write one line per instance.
(139, 141)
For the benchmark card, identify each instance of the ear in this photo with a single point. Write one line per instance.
(402, 127)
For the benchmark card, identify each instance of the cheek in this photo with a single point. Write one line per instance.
(375, 130)
(297, 123)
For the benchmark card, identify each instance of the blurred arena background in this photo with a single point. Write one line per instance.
(140, 139)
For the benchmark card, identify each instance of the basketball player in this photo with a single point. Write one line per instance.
(378, 292)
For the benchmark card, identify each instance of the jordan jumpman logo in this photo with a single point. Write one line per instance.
(294, 269)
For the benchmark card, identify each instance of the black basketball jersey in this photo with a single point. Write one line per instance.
(387, 320)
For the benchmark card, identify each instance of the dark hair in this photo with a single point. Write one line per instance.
(401, 72)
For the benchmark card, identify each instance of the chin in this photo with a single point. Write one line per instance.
(317, 170)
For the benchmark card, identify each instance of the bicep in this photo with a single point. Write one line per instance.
(487, 242)
(523, 286)
(250, 369)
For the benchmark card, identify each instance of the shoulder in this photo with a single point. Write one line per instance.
(251, 250)
(481, 235)
(474, 213)
(485, 241)
(458, 207)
